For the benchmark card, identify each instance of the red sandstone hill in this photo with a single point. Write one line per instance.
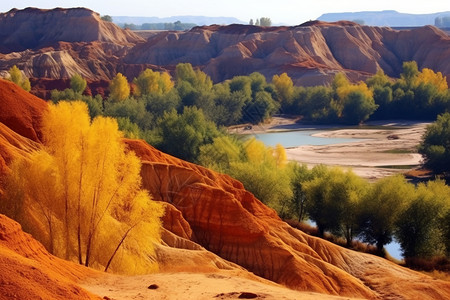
(60, 42)
(211, 223)
(311, 53)
(34, 28)
(57, 43)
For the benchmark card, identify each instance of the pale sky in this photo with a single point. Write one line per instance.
(291, 12)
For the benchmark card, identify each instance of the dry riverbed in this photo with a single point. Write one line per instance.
(389, 147)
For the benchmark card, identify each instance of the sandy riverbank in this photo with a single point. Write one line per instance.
(195, 286)
(389, 145)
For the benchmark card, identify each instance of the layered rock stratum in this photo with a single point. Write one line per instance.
(211, 224)
(58, 43)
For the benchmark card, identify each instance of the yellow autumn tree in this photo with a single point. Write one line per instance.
(119, 89)
(284, 87)
(343, 87)
(150, 82)
(428, 76)
(15, 75)
(83, 196)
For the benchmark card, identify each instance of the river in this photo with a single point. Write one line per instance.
(290, 139)
(305, 137)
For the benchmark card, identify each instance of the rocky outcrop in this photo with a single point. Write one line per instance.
(58, 43)
(34, 28)
(310, 53)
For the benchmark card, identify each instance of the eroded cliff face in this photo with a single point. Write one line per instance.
(59, 43)
(34, 28)
(229, 221)
(211, 223)
(310, 53)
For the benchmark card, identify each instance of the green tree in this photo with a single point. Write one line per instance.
(264, 21)
(263, 172)
(219, 155)
(435, 146)
(77, 83)
(382, 206)
(358, 107)
(333, 202)
(409, 75)
(107, 18)
(297, 205)
(182, 135)
(15, 75)
(419, 227)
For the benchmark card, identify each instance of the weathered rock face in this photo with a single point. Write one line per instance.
(34, 28)
(21, 111)
(310, 53)
(58, 43)
(211, 223)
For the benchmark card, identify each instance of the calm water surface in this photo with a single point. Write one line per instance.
(299, 138)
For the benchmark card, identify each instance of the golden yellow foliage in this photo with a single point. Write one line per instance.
(280, 156)
(84, 193)
(150, 82)
(283, 86)
(428, 76)
(119, 89)
(258, 153)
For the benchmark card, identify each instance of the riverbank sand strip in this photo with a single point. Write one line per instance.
(385, 146)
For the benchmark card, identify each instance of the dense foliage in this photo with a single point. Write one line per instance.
(435, 146)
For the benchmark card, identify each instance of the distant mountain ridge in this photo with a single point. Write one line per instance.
(389, 18)
(199, 20)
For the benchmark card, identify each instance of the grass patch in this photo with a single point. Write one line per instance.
(438, 275)
(399, 167)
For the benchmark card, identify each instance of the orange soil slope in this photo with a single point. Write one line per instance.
(28, 271)
(20, 110)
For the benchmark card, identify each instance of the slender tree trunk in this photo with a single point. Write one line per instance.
(118, 246)
(321, 230)
(80, 187)
(380, 249)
